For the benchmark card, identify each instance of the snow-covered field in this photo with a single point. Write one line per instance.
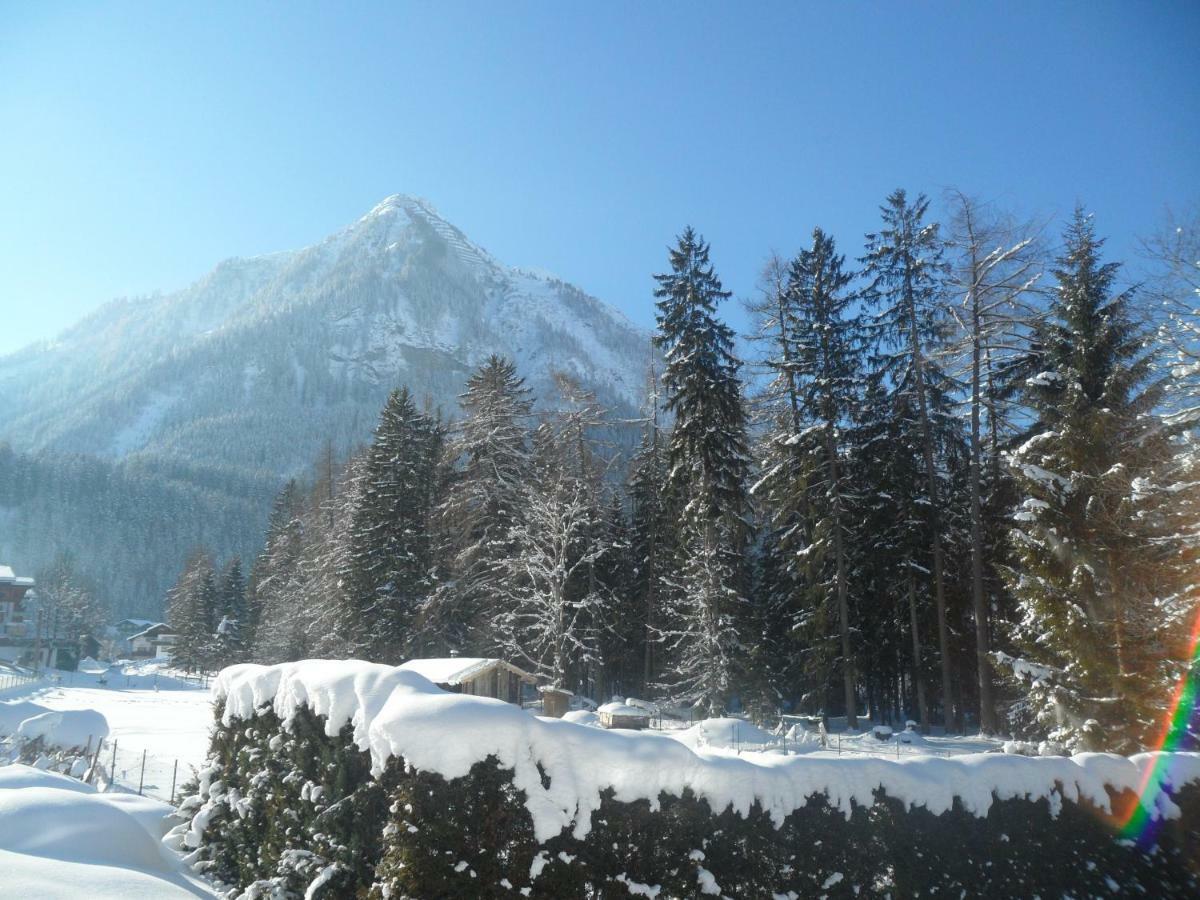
(60, 837)
(147, 707)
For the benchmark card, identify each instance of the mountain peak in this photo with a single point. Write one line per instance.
(401, 203)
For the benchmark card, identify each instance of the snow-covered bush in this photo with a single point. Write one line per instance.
(348, 779)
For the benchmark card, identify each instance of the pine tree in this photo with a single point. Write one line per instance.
(491, 465)
(654, 537)
(191, 610)
(708, 463)
(388, 572)
(1092, 551)
(904, 261)
(277, 615)
(231, 613)
(819, 363)
(621, 628)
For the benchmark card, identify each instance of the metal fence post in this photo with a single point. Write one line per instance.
(173, 776)
(142, 777)
(112, 763)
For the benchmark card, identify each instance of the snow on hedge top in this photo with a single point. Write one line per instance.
(399, 713)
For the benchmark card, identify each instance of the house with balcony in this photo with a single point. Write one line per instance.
(17, 622)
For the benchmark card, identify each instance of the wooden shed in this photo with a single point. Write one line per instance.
(478, 676)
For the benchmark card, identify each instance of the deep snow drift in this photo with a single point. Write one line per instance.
(59, 838)
(401, 714)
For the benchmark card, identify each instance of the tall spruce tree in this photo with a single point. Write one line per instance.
(389, 561)
(904, 262)
(708, 464)
(654, 538)
(191, 610)
(1092, 552)
(826, 367)
(491, 462)
(277, 615)
(230, 613)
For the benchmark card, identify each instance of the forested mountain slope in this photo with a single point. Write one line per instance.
(219, 391)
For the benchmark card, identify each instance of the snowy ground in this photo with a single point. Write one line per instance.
(149, 709)
(59, 838)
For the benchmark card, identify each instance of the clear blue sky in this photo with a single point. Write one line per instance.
(144, 142)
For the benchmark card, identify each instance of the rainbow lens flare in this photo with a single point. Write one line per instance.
(1138, 821)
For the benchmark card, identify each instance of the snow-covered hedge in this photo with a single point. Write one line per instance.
(334, 778)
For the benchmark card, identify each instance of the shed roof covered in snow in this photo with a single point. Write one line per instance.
(156, 630)
(459, 669)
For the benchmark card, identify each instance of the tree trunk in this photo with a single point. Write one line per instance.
(987, 709)
(840, 558)
(918, 679)
(939, 592)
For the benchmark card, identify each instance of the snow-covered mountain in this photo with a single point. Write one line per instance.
(255, 365)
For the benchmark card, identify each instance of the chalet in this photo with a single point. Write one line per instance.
(120, 633)
(157, 640)
(17, 626)
(477, 676)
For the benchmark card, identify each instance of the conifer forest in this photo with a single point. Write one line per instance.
(949, 478)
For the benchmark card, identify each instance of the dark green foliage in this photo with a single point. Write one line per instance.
(411, 834)
(192, 612)
(708, 465)
(389, 559)
(1093, 551)
(269, 774)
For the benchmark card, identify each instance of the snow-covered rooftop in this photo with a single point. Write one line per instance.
(7, 576)
(619, 708)
(455, 669)
(158, 628)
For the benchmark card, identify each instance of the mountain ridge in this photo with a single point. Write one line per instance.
(164, 421)
(398, 295)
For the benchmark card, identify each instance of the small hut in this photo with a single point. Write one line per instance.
(555, 701)
(619, 714)
(480, 677)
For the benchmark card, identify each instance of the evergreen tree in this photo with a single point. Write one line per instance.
(621, 628)
(904, 262)
(708, 463)
(484, 503)
(277, 615)
(1093, 553)
(389, 558)
(820, 364)
(231, 613)
(654, 538)
(191, 610)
